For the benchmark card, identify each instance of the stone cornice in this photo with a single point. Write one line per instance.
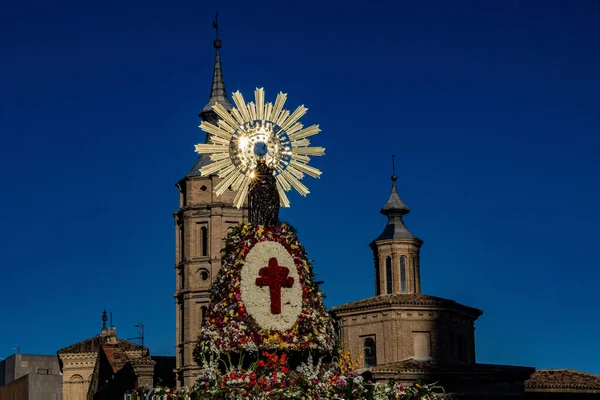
(404, 301)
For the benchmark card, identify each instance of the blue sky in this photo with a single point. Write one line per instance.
(491, 108)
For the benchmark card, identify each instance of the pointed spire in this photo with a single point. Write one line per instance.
(394, 205)
(218, 93)
(394, 209)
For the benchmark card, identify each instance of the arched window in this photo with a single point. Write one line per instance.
(204, 236)
(369, 353)
(403, 274)
(77, 387)
(388, 274)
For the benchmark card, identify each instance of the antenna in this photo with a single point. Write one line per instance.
(394, 177)
(17, 349)
(111, 324)
(141, 337)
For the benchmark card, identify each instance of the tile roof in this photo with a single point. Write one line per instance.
(408, 300)
(93, 345)
(563, 379)
(115, 356)
(416, 366)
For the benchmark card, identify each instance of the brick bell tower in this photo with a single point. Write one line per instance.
(396, 250)
(201, 226)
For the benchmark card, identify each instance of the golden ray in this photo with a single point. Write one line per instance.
(259, 97)
(307, 169)
(296, 115)
(214, 167)
(252, 111)
(301, 143)
(283, 183)
(219, 156)
(313, 151)
(283, 199)
(226, 127)
(303, 190)
(210, 148)
(225, 116)
(215, 130)
(225, 183)
(306, 132)
(279, 103)
(295, 172)
(302, 158)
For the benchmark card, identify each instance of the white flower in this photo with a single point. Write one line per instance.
(257, 299)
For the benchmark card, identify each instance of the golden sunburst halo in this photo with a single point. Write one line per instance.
(259, 131)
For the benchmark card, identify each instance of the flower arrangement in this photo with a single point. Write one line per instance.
(246, 314)
(272, 378)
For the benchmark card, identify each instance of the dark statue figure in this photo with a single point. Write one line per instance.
(263, 198)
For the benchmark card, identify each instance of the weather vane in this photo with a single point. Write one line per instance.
(259, 134)
(216, 24)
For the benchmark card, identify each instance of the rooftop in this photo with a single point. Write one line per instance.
(408, 300)
(562, 379)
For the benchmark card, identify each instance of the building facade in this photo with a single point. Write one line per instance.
(104, 366)
(201, 226)
(406, 335)
(30, 376)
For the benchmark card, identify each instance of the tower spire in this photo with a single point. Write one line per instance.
(218, 93)
(394, 209)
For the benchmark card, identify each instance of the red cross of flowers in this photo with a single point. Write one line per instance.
(275, 277)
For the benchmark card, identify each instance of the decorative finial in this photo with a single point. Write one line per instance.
(394, 177)
(217, 42)
(104, 319)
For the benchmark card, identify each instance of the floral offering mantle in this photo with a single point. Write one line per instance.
(265, 297)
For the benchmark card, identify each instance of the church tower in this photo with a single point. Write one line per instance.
(201, 226)
(396, 251)
(401, 326)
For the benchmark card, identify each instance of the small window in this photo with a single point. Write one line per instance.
(377, 283)
(204, 275)
(403, 274)
(203, 311)
(388, 274)
(204, 236)
(421, 345)
(462, 349)
(369, 353)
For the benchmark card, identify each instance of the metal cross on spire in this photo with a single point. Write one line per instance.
(216, 25)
